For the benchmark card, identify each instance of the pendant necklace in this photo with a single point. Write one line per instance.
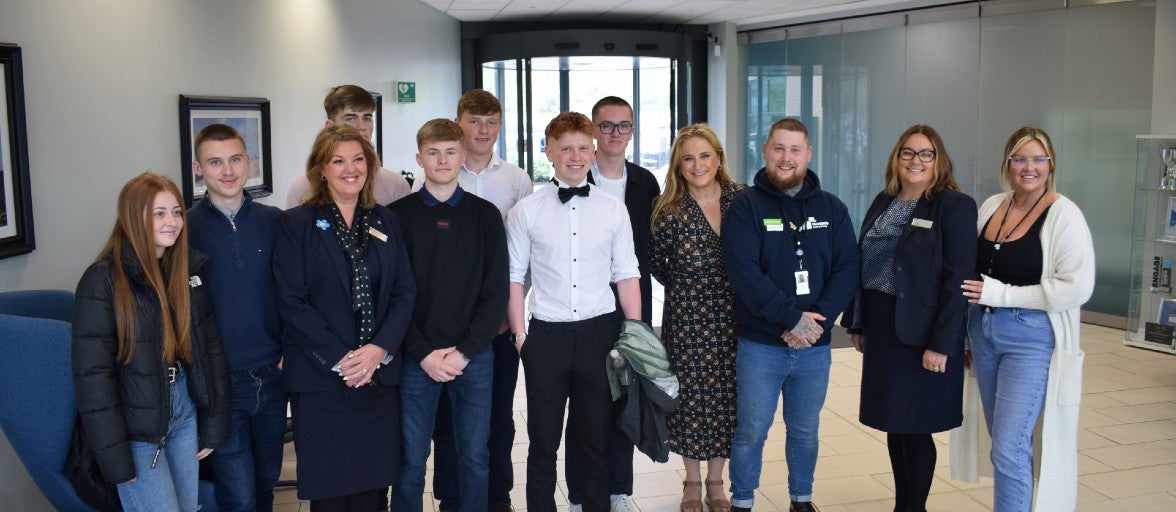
(1000, 240)
(999, 228)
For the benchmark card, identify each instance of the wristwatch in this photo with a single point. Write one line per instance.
(519, 337)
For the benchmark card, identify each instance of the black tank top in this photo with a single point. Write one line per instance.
(1017, 263)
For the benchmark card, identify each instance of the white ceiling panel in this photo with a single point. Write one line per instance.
(744, 13)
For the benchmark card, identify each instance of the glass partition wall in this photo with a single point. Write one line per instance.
(1083, 74)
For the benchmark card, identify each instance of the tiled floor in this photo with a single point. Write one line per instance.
(1127, 446)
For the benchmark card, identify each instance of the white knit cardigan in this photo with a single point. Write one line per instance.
(1067, 281)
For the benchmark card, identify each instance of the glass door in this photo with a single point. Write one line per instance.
(534, 90)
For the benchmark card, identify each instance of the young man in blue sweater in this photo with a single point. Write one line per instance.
(792, 260)
(238, 237)
(457, 247)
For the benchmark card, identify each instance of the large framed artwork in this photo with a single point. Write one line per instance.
(378, 124)
(250, 116)
(16, 198)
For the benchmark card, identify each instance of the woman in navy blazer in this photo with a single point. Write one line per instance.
(918, 245)
(345, 296)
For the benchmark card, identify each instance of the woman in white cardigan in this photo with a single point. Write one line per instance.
(1023, 329)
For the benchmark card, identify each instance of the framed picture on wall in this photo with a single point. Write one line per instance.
(250, 116)
(378, 125)
(16, 203)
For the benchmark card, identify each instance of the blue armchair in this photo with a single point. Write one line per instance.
(37, 407)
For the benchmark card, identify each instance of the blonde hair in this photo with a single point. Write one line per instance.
(670, 200)
(1017, 140)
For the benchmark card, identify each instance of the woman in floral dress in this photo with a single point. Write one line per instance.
(697, 326)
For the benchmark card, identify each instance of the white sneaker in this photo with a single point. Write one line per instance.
(621, 503)
(576, 507)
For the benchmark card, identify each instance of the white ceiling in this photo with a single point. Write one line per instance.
(744, 13)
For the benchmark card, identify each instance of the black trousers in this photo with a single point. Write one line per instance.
(620, 458)
(564, 361)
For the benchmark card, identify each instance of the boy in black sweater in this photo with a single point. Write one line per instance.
(457, 246)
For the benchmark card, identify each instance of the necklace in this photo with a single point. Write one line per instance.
(711, 199)
(999, 239)
(1013, 201)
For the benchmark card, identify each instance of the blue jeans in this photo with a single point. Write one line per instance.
(173, 484)
(502, 433)
(247, 465)
(469, 397)
(764, 372)
(1011, 350)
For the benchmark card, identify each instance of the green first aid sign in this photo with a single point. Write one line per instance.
(405, 92)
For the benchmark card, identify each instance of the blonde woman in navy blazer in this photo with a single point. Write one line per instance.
(918, 245)
(345, 296)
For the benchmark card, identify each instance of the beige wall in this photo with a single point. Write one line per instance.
(101, 83)
(102, 80)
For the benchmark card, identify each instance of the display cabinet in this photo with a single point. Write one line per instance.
(1151, 313)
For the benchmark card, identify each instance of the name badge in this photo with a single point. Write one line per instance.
(376, 233)
(921, 223)
(774, 224)
(802, 282)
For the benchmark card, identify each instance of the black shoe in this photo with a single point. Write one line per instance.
(803, 506)
(501, 507)
(740, 509)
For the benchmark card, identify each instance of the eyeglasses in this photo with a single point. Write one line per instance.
(609, 127)
(1021, 161)
(925, 156)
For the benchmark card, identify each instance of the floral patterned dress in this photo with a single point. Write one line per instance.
(698, 327)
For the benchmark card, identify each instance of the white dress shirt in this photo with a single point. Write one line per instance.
(574, 250)
(501, 183)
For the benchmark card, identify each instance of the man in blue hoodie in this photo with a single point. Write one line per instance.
(792, 259)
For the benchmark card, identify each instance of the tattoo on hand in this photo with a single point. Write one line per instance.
(807, 329)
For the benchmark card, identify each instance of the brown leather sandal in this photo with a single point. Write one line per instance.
(690, 504)
(717, 504)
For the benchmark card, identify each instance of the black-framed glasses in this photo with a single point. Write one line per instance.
(908, 154)
(607, 128)
(1021, 161)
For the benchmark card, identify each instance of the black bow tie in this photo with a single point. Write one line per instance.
(565, 194)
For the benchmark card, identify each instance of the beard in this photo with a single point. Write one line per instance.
(787, 183)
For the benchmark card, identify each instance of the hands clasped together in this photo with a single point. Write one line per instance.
(806, 332)
(359, 366)
(444, 364)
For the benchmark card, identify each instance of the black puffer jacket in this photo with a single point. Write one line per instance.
(124, 402)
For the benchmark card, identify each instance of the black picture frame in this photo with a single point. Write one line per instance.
(16, 197)
(250, 116)
(378, 124)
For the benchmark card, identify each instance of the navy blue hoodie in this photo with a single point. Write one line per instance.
(760, 252)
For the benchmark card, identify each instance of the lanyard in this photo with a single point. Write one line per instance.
(796, 232)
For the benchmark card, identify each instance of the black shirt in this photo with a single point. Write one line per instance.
(459, 259)
(1017, 263)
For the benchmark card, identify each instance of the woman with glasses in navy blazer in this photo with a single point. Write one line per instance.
(918, 244)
